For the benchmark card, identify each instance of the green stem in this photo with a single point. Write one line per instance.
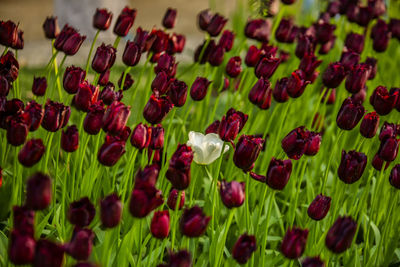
(91, 50)
(126, 71)
(174, 220)
(116, 42)
(57, 74)
(5, 51)
(322, 190)
(220, 250)
(265, 237)
(300, 178)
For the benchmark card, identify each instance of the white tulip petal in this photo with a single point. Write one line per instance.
(206, 148)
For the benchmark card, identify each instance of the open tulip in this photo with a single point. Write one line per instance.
(206, 148)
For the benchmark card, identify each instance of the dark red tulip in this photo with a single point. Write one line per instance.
(378, 163)
(308, 65)
(325, 48)
(341, 234)
(173, 199)
(357, 78)
(378, 7)
(149, 174)
(294, 243)
(31, 152)
(213, 127)
(157, 108)
(73, 77)
(216, 56)
(39, 86)
(305, 45)
(232, 193)
(231, 124)
(350, 113)
(179, 167)
(204, 19)
(312, 262)
(382, 101)
(333, 8)
(319, 207)
(9, 67)
(127, 83)
(169, 18)
(296, 84)
(369, 125)
(48, 254)
(104, 58)
(351, 166)
(373, 66)
(253, 56)
(70, 139)
(313, 143)
(381, 36)
(258, 29)
(216, 25)
(394, 177)
(81, 244)
(141, 136)
(349, 59)
(124, 21)
(266, 67)
(115, 118)
(295, 143)
(160, 83)
(56, 116)
(94, 118)
(278, 173)
(324, 31)
(24, 220)
(206, 51)
(110, 211)
(111, 151)
(286, 31)
(21, 248)
(244, 248)
(177, 92)
(160, 224)
(69, 40)
(102, 19)
(38, 191)
(157, 137)
(86, 96)
(104, 78)
(144, 199)
(261, 94)
(360, 96)
(8, 33)
(280, 91)
(394, 27)
(233, 67)
(176, 43)
(355, 42)
(333, 75)
(144, 39)
(50, 27)
(81, 212)
(226, 40)
(17, 128)
(166, 63)
(247, 150)
(181, 258)
(159, 42)
(388, 149)
(5, 86)
(199, 88)
(388, 130)
(193, 222)
(35, 112)
(132, 53)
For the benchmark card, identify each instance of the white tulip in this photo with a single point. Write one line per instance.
(207, 148)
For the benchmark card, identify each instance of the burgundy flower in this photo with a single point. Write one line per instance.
(226, 40)
(294, 243)
(124, 21)
(313, 143)
(278, 173)
(39, 86)
(81, 212)
(297, 83)
(394, 27)
(232, 193)
(295, 143)
(286, 31)
(394, 177)
(373, 67)
(115, 118)
(176, 43)
(166, 63)
(341, 234)
(355, 42)
(70, 139)
(86, 96)
(179, 167)
(351, 166)
(35, 112)
(247, 150)
(31, 152)
(104, 78)
(94, 118)
(132, 53)
(365, 15)
(244, 248)
(216, 25)
(181, 259)
(110, 211)
(369, 125)
(253, 56)
(177, 92)
(69, 40)
(357, 78)
(258, 29)
(213, 127)
(149, 174)
(324, 31)
(141, 136)
(206, 52)
(157, 137)
(48, 254)
(81, 244)
(38, 191)
(159, 42)
(173, 199)
(308, 65)
(17, 128)
(111, 151)
(266, 67)
(21, 248)
(382, 101)
(160, 224)
(193, 222)
(5, 86)
(349, 59)
(350, 113)
(73, 77)
(204, 19)
(319, 207)
(9, 67)
(388, 149)
(104, 58)
(378, 163)
(8, 33)
(388, 130)
(313, 262)
(325, 48)
(261, 94)
(280, 91)
(102, 19)
(199, 88)
(233, 67)
(305, 45)
(24, 220)
(145, 198)
(50, 27)
(144, 39)
(127, 83)
(216, 56)
(56, 116)
(157, 108)
(231, 124)
(333, 75)
(169, 18)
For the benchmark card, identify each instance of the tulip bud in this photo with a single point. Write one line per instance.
(144, 199)
(50, 28)
(56, 116)
(372, 63)
(394, 177)
(216, 56)
(226, 40)
(295, 143)
(305, 45)
(231, 124)
(313, 262)
(319, 207)
(39, 86)
(132, 53)
(102, 19)
(157, 108)
(204, 19)
(350, 114)
(94, 118)
(247, 150)
(20, 41)
(388, 130)
(10, 66)
(294, 243)
(388, 149)
(111, 151)
(381, 36)
(177, 92)
(80, 246)
(4, 86)
(394, 27)
(244, 248)
(38, 192)
(86, 96)
(382, 101)
(69, 41)
(313, 143)
(233, 67)
(193, 222)
(17, 129)
(173, 199)
(357, 78)
(280, 91)
(286, 31)
(308, 65)
(127, 83)
(232, 193)
(8, 33)
(296, 84)
(179, 167)
(169, 18)
(157, 137)
(104, 58)
(378, 162)
(73, 77)
(21, 248)
(124, 21)
(341, 234)
(110, 211)
(31, 152)
(260, 94)
(199, 88)
(181, 259)
(253, 56)
(278, 173)
(35, 113)
(24, 220)
(81, 212)
(351, 166)
(141, 136)
(160, 224)
(349, 59)
(213, 127)
(166, 63)
(355, 42)
(369, 125)
(333, 75)
(115, 118)
(266, 67)
(70, 139)
(216, 25)
(258, 29)
(48, 253)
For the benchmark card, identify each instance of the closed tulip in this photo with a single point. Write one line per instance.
(352, 166)
(294, 243)
(193, 222)
(102, 19)
(261, 94)
(48, 253)
(369, 125)
(31, 152)
(81, 244)
(38, 191)
(125, 21)
(247, 150)
(56, 116)
(73, 77)
(341, 234)
(39, 86)
(350, 113)
(50, 27)
(232, 193)
(144, 199)
(81, 212)
(173, 199)
(115, 118)
(157, 108)
(93, 121)
(104, 58)
(159, 226)
(244, 247)
(110, 211)
(178, 172)
(319, 207)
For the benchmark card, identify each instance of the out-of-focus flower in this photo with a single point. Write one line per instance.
(160, 224)
(81, 212)
(102, 19)
(244, 248)
(258, 29)
(50, 27)
(48, 253)
(341, 234)
(110, 211)
(124, 21)
(39, 86)
(178, 172)
(294, 243)
(193, 222)
(38, 191)
(169, 18)
(319, 207)
(207, 148)
(81, 244)
(31, 152)
(145, 198)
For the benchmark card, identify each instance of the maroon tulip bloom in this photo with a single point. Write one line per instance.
(261, 94)
(17, 129)
(216, 56)
(216, 25)
(8, 33)
(247, 150)
(313, 262)
(31, 152)
(324, 31)
(70, 139)
(38, 191)
(394, 177)
(179, 167)
(81, 212)
(350, 113)
(313, 143)
(176, 43)
(145, 198)
(104, 58)
(232, 193)
(159, 42)
(199, 88)
(244, 248)
(127, 83)
(86, 96)
(231, 124)
(381, 36)
(73, 77)
(177, 92)
(148, 175)
(193, 222)
(378, 163)
(233, 67)
(39, 86)
(50, 28)
(308, 65)
(111, 151)
(286, 31)
(21, 248)
(9, 67)
(157, 108)
(166, 63)
(213, 127)
(341, 234)
(102, 19)
(369, 125)
(297, 83)
(280, 91)
(69, 41)
(294, 243)
(124, 21)
(355, 42)
(382, 101)
(56, 116)
(226, 40)
(305, 45)
(319, 207)
(388, 149)
(352, 166)
(108, 95)
(349, 59)
(160, 224)
(394, 27)
(325, 48)
(295, 143)
(278, 174)
(333, 75)
(35, 112)
(157, 137)
(81, 244)
(141, 136)
(24, 220)
(5, 86)
(132, 53)
(206, 52)
(169, 18)
(357, 78)
(266, 67)
(258, 29)
(204, 19)
(48, 254)
(253, 56)
(388, 130)
(110, 211)
(360, 96)
(115, 118)
(94, 118)
(160, 83)
(20, 41)
(181, 259)
(173, 199)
